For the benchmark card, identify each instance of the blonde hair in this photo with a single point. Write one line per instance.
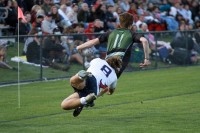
(115, 62)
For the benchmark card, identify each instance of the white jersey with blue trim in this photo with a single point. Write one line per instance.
(104, 74)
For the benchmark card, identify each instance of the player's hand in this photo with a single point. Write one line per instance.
(110, 91)
(78, 50)
(145, 64)
(102, 91)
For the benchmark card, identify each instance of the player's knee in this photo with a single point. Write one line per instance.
(71, 81)
(64, 106)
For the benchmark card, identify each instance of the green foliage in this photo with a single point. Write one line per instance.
(157, 101)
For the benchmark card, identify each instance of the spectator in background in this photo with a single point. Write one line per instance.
(140, 21)
(72, 14)
(111, 2)
(93, 14)
(33, 31)
(97, 3)
(182, 11)
(195, 9)
(24, 27)
(33, 49)
(2, 3)
(150, 7)
(155, 2)
(22, 5)
(164, 6)
(70, 47)
(65, 22)
(3, 53)
(110, 18)
(52, 48)
(197, 41)
(134, 28)
(28, 20)
(39, 2)
(133, 11)
(124, 5)
(197, 24)
(83, 15)
(38, 21)
(182, 27)
(68, 7)
(90, 2)
(46, 6)
(188, 15)
(79, 37)
(48, 25)
(150, 37)
(182, 47)
(34, 11)
(141, 9)
(99, 26)
(101, 12)
(56, 16)
(11, 20)
(89, 30)
(174, 9)
(116, 13)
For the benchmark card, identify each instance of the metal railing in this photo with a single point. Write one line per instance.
(30, 72)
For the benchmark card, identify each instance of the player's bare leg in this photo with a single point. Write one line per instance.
(73, 101)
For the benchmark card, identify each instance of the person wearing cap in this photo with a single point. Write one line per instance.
(47, 24)
(38, 21)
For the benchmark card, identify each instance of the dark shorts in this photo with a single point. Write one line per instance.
(91, 87)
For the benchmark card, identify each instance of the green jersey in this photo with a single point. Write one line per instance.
(119, 42)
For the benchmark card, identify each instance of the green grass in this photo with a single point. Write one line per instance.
(157, 101)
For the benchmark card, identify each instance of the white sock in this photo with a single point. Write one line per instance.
(83, 101)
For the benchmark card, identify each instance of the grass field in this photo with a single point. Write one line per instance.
(155, 101)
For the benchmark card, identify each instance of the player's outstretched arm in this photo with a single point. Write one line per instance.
(88, 44)
(103, 91)
(146, 52)
(107, 91)
(110, 91)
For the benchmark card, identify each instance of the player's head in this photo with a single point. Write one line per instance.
(126, 20)
(115, 62)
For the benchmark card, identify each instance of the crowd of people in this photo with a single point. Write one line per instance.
(66, 13)
(74, 17)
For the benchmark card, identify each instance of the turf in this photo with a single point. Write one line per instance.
(155, 101)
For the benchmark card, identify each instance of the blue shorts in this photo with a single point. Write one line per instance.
(91, 87)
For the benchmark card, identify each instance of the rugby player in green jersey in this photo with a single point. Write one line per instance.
(120, 42)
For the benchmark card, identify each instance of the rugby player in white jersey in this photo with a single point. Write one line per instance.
(100, 77)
